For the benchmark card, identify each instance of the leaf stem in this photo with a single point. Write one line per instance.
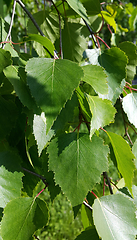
(94, 194)
(87, 205)
(41, 191)
(60, 33)
(102, 41)
(91, 32)
(108, 182)
(35, 174)
(11, 24)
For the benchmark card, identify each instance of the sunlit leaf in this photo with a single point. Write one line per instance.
(131, 51)
(39, 130)
(129, 104)
(96, 77)
(114, 62)
(77, 6)
(112, 215)
(102, 112)
(124, 158)
(134, 150)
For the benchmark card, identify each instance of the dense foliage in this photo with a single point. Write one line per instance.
(68, 125)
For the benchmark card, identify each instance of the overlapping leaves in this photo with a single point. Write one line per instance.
(51, 83)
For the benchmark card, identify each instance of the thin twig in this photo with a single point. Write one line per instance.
(11, 24)
(91, 32)
(35, 174)
(34, 22)
(108, 182)
(60, 33)
(36, 237)
(87, 205)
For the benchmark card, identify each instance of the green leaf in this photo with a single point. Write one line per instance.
(86, 217)
(22, 217)
(134, 150)
(124, 158)
(114, 217)
(5, 59)
(96, 77)
(129, 105)
(42, 40)
(5, 86)
(69, 115)
(114, 62)
(76, 43)
(17, 77)
(92, 7)
(77, 164)
(51, 83)
(77, 6)
(102, 112)
(133, 19)
(10, 177)
(88, 235)
(134, 188)
(84, 104)
(109, 19)
(131, 51)
(8, 116)
(48, 22)
(39, 130)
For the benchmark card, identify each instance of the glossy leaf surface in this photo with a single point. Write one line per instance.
(129, 104)
(112, 215)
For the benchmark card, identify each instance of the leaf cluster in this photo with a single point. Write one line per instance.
(58, 102)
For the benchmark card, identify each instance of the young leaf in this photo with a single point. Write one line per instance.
(114, 217)
(78, 163)
(22, 217)
(134, 150)
(96, 77)
(131, 51)
(124, 158)
(39, 130)
(51, 83)
(129, 104)
(102, 112)
(114, 62)
(109, 19)
(77, 6)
